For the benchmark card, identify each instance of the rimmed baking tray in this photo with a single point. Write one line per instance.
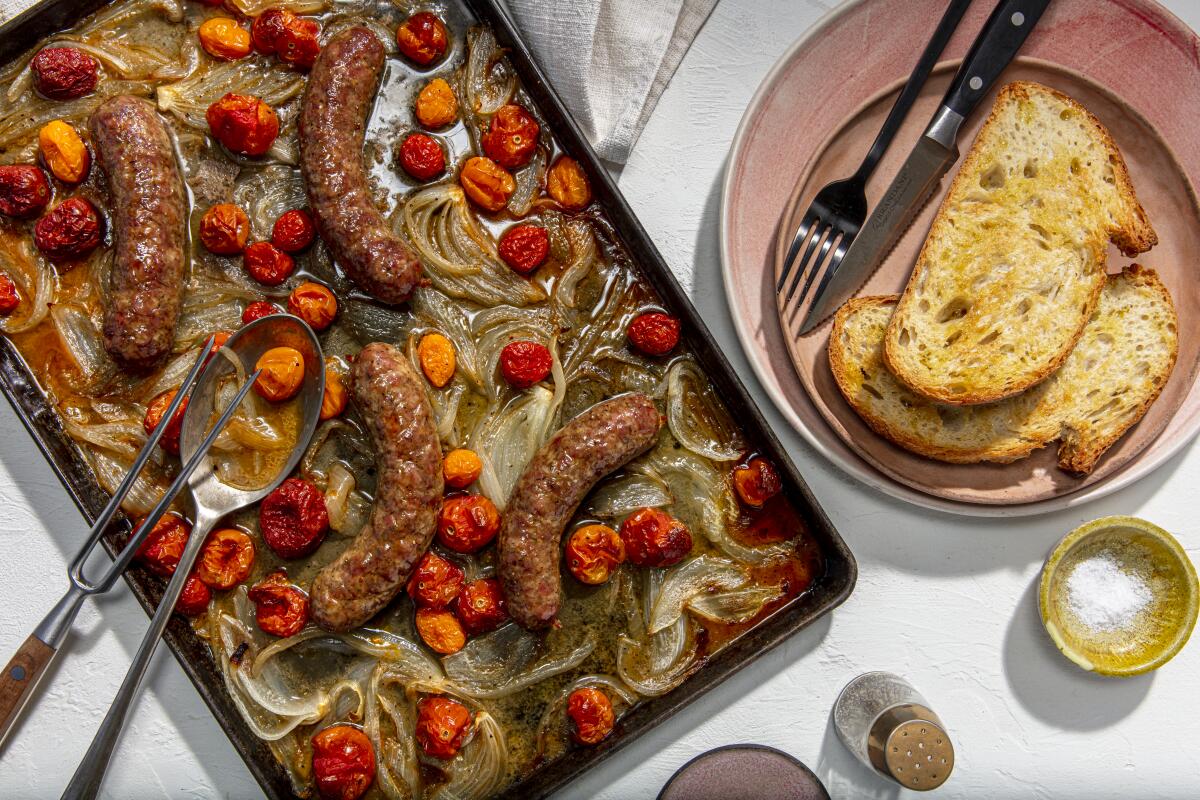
(830, 590)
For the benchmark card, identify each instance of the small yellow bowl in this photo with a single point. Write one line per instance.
(1157, 632)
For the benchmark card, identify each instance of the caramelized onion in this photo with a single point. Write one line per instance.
(621, 496)
(35, 277)
(498, 664)
(703, 574)
(488, 81)
(696, 417)
(506, 441)
(736, 606)
(348, 511)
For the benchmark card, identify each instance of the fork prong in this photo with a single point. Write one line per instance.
(830, 270)
(819, 267)
(820, 230)
(798, 240)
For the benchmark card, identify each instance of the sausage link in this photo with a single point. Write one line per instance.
(148, 213)
(600, 440)
(332, 126)
(391, 398)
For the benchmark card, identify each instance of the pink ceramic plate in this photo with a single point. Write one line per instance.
(1130, 62)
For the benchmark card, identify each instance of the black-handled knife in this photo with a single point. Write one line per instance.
(1002, 36)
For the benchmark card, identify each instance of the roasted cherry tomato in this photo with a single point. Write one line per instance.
(280, 608)
(193, 600)
(481, 607)
(421, 157)
(436, 105)
(293, 231)
(268, 27)
(10, 298)
(222, 37)
(756, 481)
(593, 552)
(226, 558)
(343, 763)
(63, 152)
(163, 546)
(654, 538)
(524, 247)
(654, 333)
(422, 38)
(567, 184)
(243, 123)
(525, 363)
(442, 726)
(267, 264)
(437, 357)
(591, 714)
(314, 304)
(333, 402)
(467, 523)
(24, 190)
(71, 230)
(64, 73)
(435, 582)
(224, 229)
(282, 374)
(511, 137)
(297, 44)
(441, 630)
(293, 518)
(257, 310)
(487, 183)
(461, 468)
(154, 414)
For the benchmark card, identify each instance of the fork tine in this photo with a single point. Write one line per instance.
(789, 260)
(830, 270)
(817, 268)
(820, 231)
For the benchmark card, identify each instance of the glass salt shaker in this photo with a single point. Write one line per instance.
(891, 729)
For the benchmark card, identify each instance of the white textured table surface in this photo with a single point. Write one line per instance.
(947, 602)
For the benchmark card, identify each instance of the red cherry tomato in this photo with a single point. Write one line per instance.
(421, 157)
(654, 333)
(226, 558)
(756, 482)
(163, 546)
(591, 713)
(343, 763)
(193, 600)
(259, 309)
(654, 538)
(511, 137)
(154, 414)
(64, 73)
(267, 264)
(467, 523)
(293, 231)
(297, 43)
(10, 298)
(442, 726)
(435, 582)
(71, 231)
(293, 519)
(481, 606)
(280, 608)
(525, 363)
(243, 123)
(422, 38)
(24, 190)
(524, 248)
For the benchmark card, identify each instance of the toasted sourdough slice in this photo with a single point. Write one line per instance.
(1014, 262)
(1121, 363)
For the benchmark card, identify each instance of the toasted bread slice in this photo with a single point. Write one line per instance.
(1015, 259)
(1108, 381)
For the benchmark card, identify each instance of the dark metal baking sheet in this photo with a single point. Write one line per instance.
(20, 387)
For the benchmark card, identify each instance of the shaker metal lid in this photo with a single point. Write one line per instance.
(909, 744)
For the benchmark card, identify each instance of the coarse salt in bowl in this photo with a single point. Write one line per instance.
(1119, 596)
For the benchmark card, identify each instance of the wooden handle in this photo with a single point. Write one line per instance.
(21, 675)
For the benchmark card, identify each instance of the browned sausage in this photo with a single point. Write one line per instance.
(332, 126)
(602, 439)
(391, 398)
(148, 211)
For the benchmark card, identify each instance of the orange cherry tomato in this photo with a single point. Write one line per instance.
(525, 363)
(222, 37)
(333, 402)
(435, 582)
(654, 333)
(441, 630)
(224, 229)
(437, 357)
(593, 552)
(486, 183)
(481, 606)
(524, 248)
(154, 414)
(313, 303)
(226, 558)
(442, 726)
(461, 468)
(422, 38)
(511, 137)
(568, 185)
(591, 713)
(756, 482)
(294, 231)
(654, 538)
(343, 763)
(163, 546)
(193, 600)
(436, 105)
(243, 123)
(10, 298)
(282, 374)
(257, 310)
(63, 152)
(280, 608)
(467, 523)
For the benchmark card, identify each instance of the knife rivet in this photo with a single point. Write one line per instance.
(975, 83)
(1018, 19)
(17, 673)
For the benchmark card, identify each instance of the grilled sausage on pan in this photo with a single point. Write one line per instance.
(391, 398)
(148, 212)
(600, 440)
(333, 123)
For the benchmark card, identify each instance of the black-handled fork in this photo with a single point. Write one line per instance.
(840, 208)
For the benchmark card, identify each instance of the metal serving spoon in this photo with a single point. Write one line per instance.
(212, 500)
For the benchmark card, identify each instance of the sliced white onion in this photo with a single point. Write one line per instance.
(253, 8)
(696, 417)
(583, 260)
(82, 341)
(488, 81)
(703, 574)
(529, 184)
(496, 666)
(36, 279)
(734, 607)
(642, 666)
(123, 439)
(189, 99)
(621, 496)
(348, 510)
(265, 193)
(481, 765)
(111, 469)
(398, 769)
(507, 440)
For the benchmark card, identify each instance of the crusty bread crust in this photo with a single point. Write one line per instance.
(1132, 234)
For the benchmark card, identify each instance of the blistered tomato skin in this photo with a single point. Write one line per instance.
(24, 191)
(224, 229)
(654, 538)
(297, 45)
(10, 298)
(226, 559)
(267, 264)
(154, 414)
(282, 374)
(524, 248)
(267, 28)
(63, 152)
(293, 519)
(257, 310)
(511, 137)
(222, 37)
(435, 582)
(280, 609)
(654, 333)
(343, 763)
(69, 232)
(525, 363)
(243, 123)
(481, 607)
(461, 468)
(756, 482)
(193, 600)
(422, 38)
(333, 402)
(467, 523)
(486, 183)
(313, 303)
(294, 231)
(442, 726)
(436, 105)
(567, 184)
(421, 157)
(163, 546)
(593, 552)
(591, 715)
(440, 630)
(64, 73)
